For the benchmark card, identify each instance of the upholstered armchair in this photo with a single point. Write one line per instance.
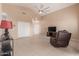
(61, 40)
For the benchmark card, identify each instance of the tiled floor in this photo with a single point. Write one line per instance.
(40, 46)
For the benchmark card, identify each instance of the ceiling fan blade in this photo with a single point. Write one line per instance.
(41, 6)
(47, 8)
(44, 12)
(36, 7)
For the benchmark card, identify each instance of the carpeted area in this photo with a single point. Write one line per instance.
(40, 46)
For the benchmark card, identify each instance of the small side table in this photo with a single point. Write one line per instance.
(51, 34)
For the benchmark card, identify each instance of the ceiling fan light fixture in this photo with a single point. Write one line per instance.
(40, 12)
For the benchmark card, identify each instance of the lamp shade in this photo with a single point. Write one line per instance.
(6, 24)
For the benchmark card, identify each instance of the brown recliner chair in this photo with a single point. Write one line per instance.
(61, 40)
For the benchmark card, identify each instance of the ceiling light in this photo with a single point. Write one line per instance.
(40, 12)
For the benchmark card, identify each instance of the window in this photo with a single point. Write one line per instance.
(36, 27)
(23, 29)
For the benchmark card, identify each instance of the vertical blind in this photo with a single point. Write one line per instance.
(25, 29)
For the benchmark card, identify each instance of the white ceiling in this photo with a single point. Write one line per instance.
(52, 6)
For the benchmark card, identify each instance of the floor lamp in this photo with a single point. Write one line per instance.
(6, 46)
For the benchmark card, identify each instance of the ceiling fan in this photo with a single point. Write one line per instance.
(42, 10)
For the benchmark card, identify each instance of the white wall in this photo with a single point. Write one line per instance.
(65, 19)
